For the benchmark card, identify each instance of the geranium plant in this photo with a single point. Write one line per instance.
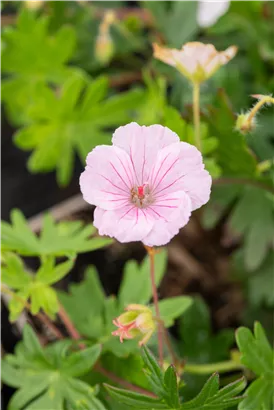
(139, 292)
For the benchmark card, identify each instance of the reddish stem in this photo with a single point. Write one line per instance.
(116, 379)
(122, 382)
(73, 332)
(151, 253)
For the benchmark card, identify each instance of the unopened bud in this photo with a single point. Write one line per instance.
(244, 123)
(34, 4)
(136, 322)
(104, 48)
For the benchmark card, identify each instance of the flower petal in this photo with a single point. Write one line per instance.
(127, 224)
(179, 167)
(108, 177)
(142, 144)
(163, 231)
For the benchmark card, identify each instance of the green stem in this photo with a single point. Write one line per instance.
(266, 99)
(220, 367)
(196, 114)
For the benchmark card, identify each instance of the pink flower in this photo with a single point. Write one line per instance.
(145, 185)
(195, 60)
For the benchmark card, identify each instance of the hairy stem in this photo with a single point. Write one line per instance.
(220, 367)
(196, 114)
(151, 254)
(264, 100)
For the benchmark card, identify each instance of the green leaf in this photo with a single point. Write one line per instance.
(27, 66)
(258, 284)
(253, 217)
(258, 356)
(85, 311)
(198, 341)
(233, 154)
(134, 400)
(53, 275)
(81, 362)
(46, 377)
(170, 380)
(55, 239)
(169, 20)
(36, 287)
(172, 308)
(136, 285)
(13, 272)
(211, 397)
(74, 123)
(154, 373)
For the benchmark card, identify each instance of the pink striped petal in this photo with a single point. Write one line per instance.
(142, 144)
(108, 177)
(164, 230)
(179, 167)
(127, 224)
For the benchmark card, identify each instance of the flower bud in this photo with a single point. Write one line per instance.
(137, 321)
(34, 4)
(244, 124)
(104, 48)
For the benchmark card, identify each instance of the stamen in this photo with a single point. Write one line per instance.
(141, 196)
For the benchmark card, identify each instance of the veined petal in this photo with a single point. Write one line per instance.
(108, 177)
(179, 167)
(126, 224)
(164, 230)
(142, 145)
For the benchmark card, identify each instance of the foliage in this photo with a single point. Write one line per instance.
(49, 378)
(65, 238)
(73, 120)
(165, 385)
(28, 68)
(36, 287)
(93, 316)
(61, 101)
(258, 356)
(244, 220)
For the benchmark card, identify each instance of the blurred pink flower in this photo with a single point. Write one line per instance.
(196, 61)
(138, 322)
(145, 185)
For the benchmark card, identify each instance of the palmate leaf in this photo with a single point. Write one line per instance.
(74, 121)
(165, 386)
(258, 356)
(58, 239)
(34, 287)
(211, 398)
(47, 378)
(32, 57)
